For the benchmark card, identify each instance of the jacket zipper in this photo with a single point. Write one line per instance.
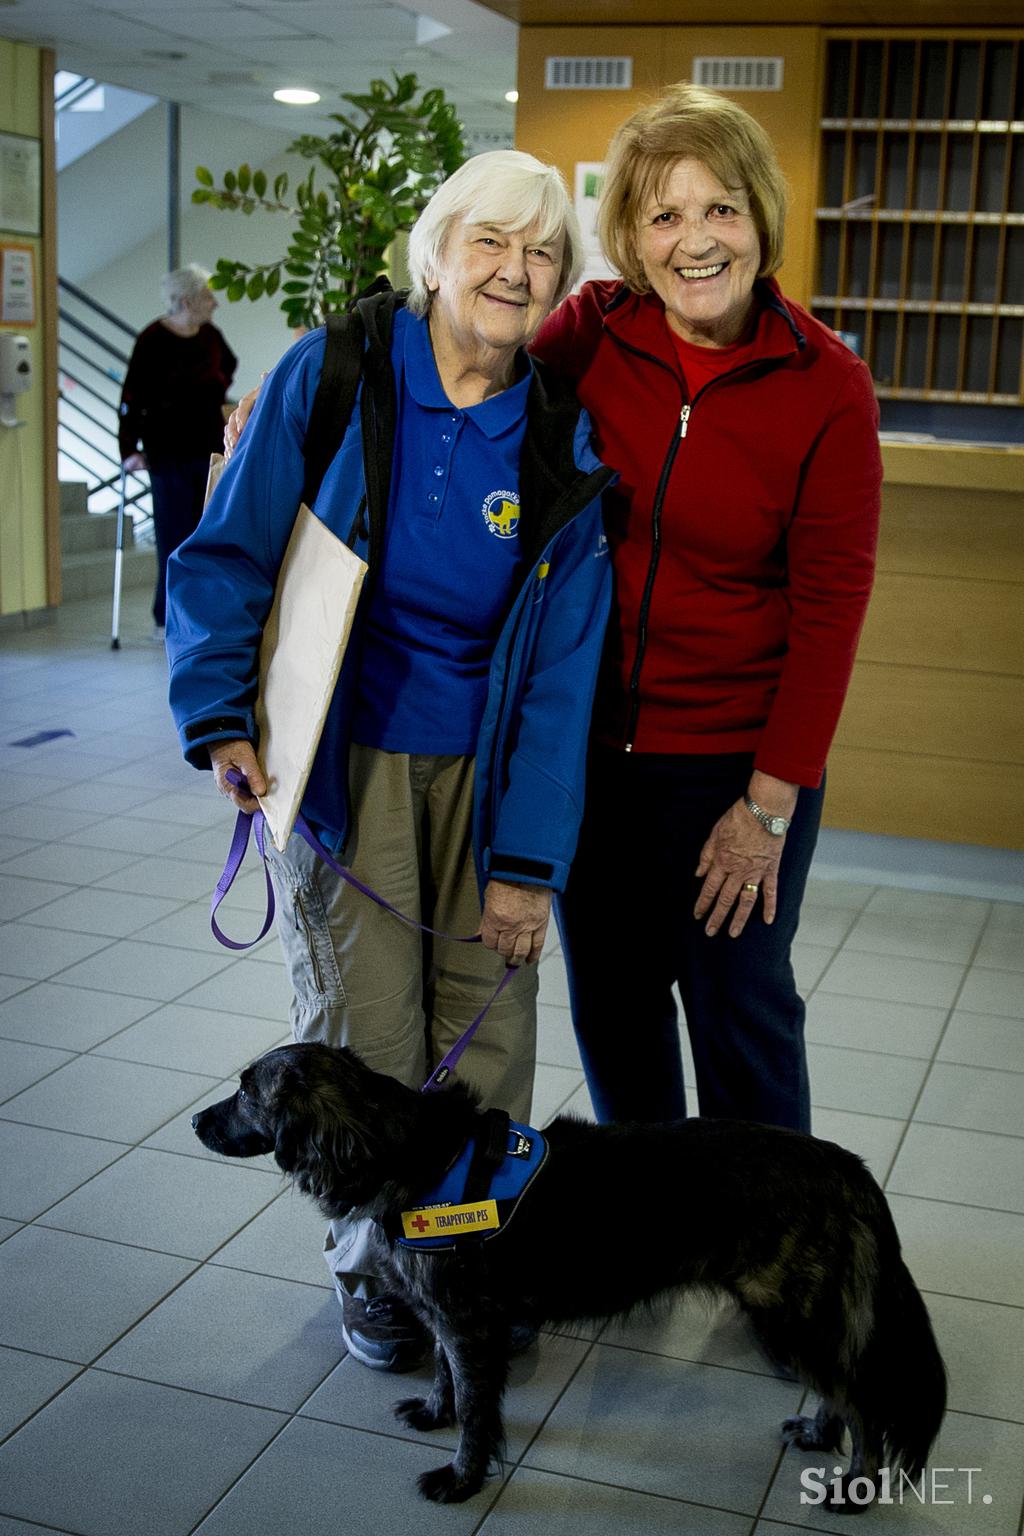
(659, 497)
(652, 571)
(305, 927)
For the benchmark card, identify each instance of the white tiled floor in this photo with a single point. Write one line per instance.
(170, 1359)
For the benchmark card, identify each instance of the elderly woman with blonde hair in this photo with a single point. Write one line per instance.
(449, 774)
(743, 531)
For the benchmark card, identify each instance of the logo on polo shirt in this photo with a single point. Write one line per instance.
(501, 513)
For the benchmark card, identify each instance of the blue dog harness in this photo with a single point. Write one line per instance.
(478, 1193)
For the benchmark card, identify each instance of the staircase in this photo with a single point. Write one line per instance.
(88, 540)
(94, 348)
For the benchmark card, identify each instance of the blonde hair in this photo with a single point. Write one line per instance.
(504, 188)
(688, 122)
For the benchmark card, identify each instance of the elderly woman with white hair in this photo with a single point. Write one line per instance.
(449, 776)
(171, 402)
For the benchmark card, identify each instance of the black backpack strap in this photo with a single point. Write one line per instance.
(335, 397)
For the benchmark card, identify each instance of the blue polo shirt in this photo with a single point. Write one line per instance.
(446, 579)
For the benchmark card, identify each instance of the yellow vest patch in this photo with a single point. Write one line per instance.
(447, 1220)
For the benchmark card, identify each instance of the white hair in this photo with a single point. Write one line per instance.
(504, 188)
(181, 285)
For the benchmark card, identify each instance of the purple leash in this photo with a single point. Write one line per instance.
(256, 822)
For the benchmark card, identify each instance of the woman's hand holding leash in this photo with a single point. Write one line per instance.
(240, 755)
(741, 858)
(515, 920)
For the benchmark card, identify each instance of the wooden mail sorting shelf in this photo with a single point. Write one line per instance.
(920, 222)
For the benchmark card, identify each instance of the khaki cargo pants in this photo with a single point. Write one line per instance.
(400, 998)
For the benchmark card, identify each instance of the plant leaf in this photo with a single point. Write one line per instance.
(391, 149)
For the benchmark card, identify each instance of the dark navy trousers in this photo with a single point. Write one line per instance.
(629, 934)
(178, 490)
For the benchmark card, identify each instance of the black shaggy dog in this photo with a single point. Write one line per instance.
(796, 1230)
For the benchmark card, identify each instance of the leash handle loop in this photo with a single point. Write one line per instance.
(244, 824)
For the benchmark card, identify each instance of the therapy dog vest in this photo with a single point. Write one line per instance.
(478, 1194)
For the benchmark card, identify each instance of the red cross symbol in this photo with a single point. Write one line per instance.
(420, 1224)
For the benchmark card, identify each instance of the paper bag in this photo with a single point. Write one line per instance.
(303, 646)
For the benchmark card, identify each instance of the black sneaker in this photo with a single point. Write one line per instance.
(382, 1333)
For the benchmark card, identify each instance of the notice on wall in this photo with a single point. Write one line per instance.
(17, 285)
(20, 181)
(587, 196)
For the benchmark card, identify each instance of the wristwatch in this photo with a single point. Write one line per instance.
(778, 826)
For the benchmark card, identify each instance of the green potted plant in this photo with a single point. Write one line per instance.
(382, 165)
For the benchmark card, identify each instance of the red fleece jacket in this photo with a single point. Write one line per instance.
(743, 547)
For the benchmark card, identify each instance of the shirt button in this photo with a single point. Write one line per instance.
(454, 418)
(438, 470)
(446, 437)
(432, 498)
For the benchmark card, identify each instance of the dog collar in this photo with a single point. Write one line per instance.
(477, 1195)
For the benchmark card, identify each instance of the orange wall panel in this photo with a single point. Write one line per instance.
(566, 126)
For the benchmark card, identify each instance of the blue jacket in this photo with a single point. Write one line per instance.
(531, 751)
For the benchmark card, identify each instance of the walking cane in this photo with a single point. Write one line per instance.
(115, 641)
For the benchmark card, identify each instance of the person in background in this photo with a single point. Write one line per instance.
(743, 531)
(449, 775)
(172, 404)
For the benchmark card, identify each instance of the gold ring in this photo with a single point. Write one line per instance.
(750, 886)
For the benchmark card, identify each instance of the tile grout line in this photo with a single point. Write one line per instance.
(934, 1055)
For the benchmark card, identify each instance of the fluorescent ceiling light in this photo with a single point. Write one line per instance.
(297, 98)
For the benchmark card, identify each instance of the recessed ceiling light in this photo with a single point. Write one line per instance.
(296, 98)
(512, 96)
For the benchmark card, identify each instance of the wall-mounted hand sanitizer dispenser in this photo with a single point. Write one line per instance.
(15, 375)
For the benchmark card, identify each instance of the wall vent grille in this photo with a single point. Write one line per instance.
(588, 74)
(735, 74)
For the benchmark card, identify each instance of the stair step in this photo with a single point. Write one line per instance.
(97, 530)
(74, 498)
(92, 575)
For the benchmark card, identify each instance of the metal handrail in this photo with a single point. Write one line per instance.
(107, 485)
(72, 93)
(102, 485)
(81, 384)
(108, 373)
(99, 452)
(92, 335)
(96, 306)
(129, 500)
(67, 454)
(83, 412)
